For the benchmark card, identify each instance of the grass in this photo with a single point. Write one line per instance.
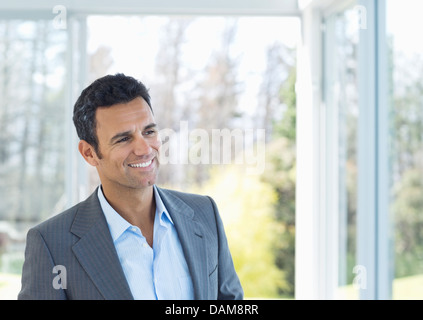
(406, 288)
(10, 284)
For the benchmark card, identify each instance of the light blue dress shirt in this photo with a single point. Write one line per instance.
(158, 273)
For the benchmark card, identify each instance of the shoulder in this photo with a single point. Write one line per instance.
(64, 220)
(201, 208)
(196, 201)
(58, 221)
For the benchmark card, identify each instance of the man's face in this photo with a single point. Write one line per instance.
(129, 144)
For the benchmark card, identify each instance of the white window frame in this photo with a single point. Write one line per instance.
(373, 222)
(317, 228)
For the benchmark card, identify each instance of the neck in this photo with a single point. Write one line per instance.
(137, 206)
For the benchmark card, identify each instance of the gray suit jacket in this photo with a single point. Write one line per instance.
(80, 241)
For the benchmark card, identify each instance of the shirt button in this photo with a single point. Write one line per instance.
(145, 245)
(134, 229)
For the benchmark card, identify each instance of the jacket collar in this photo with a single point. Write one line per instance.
(190, 234)
(96, 252)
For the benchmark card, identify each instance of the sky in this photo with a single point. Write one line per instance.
(404, 21)
(135, 41)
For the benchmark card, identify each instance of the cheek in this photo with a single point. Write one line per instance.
(118, 156)
(156, 145)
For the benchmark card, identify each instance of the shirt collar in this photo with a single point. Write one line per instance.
(118, 225)
(160, 207)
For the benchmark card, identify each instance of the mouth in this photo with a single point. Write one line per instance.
(141, 164)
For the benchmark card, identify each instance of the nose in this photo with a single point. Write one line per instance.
(142, 146)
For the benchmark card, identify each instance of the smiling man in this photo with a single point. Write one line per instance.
(130, 239)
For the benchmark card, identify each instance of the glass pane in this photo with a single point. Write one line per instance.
(32, 82)
(341, 99)
(406, 103)
(223, 95)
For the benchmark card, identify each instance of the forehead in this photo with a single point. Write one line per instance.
(124, 116)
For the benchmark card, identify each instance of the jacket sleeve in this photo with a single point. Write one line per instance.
(38, 276)
(229, 286)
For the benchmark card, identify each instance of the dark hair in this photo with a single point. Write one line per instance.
(104, 92)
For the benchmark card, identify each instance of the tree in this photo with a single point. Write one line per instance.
(170, 71)
(280, 61)
(217, 102)
(406, 115)
(407, 209)
(280, 173)
(31, 113)
(246, 206)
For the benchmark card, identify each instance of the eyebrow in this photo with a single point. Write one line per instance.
(128, 133)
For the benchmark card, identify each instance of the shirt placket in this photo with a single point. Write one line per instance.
(160, 230)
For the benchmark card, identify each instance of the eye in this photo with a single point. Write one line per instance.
(150, 132)
(123, 140)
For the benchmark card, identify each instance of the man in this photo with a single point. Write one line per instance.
(130, 239)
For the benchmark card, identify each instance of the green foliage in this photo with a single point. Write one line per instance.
(287, 126)
(406, 127)
(280, 174)
(246, 206)
(407, 210)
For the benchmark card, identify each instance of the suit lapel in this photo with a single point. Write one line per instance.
(96, 253)
(191, 236)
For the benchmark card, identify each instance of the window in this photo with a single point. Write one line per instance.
(32, 153)
(370, 160)
(405, 66)
(341, 39)
(226, 82)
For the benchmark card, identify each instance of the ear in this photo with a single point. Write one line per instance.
(88, 152)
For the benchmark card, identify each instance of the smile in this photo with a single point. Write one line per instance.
(141, 165)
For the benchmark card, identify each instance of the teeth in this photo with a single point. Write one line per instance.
(141, 165)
